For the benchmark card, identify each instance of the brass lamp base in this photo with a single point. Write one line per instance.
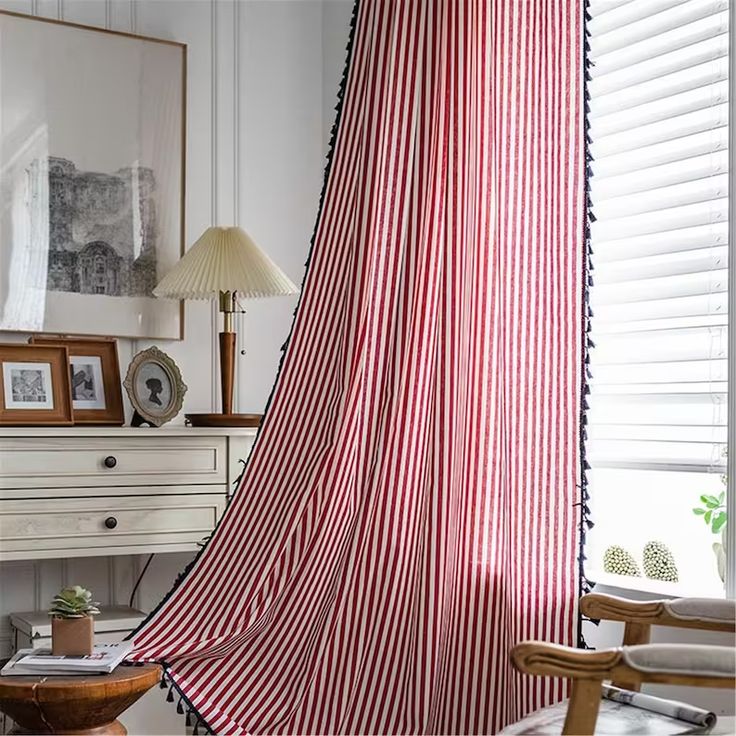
(224, 420)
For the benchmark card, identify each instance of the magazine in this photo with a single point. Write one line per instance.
(670, 708)
(104, 659)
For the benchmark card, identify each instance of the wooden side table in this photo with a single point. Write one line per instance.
(75, 705)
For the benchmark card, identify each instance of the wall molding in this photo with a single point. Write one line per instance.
(214, 311)
(237, 97)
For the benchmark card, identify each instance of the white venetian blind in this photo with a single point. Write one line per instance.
(659, 195)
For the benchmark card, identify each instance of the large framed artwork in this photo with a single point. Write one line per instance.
(92, 166)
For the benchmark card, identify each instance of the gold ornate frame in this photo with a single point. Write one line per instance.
(178, 387)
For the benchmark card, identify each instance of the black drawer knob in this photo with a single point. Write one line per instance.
(110, 461)
(111, 522)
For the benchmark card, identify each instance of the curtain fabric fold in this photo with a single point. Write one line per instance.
(409, 510)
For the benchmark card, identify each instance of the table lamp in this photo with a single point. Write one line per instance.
(225, 264)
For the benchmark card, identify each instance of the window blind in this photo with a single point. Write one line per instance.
(658, 179)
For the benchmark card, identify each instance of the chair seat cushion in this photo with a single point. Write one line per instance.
(613, 719)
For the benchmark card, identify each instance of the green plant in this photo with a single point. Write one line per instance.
(713, 511)
(74, 602)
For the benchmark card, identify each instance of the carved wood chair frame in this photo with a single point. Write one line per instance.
(588, 669)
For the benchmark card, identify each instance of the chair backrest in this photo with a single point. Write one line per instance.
(706, 614)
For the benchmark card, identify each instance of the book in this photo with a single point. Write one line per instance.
(103, 660)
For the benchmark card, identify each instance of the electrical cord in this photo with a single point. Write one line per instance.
(140, 577)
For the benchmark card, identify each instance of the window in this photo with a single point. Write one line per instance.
(658, 183)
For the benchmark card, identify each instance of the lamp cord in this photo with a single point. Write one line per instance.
(138, 581)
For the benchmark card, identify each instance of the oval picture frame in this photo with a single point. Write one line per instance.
(155, 386)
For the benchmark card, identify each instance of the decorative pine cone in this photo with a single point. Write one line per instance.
(659, 563)
(619, 561)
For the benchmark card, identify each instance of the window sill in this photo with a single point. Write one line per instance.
(625, 583)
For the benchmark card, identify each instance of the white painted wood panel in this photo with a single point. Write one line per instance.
(72, 526)
(258, 160)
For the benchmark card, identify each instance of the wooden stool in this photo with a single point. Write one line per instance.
(75, 705)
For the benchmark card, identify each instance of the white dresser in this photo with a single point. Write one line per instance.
(87, 491)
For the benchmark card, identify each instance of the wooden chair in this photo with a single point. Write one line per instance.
(630, 665)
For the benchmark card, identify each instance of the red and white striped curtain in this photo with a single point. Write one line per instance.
(408, 512)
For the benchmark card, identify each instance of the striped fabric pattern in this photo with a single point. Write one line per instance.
(409, 510)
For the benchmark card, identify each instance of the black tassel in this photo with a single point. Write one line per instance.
(180, 707)
(585, 524)
(188, 719)
(170, 696)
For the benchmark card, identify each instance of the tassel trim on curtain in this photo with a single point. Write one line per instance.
(586, 523)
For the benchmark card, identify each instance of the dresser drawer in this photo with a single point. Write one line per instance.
(73, 527)
(112, 461)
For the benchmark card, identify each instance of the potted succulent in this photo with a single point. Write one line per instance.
(72, 623)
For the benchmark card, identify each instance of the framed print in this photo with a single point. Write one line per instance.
(35, 385)
(155, 387)
(94, 377)
(92, 140)
(27, 385)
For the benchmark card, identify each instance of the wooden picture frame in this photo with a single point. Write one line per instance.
(111, 221)
(36, 377)
(97, 396)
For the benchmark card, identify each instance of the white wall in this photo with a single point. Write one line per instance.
(261, 102)
(258, 82)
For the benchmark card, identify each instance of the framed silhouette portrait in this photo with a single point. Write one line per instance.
(155, 387)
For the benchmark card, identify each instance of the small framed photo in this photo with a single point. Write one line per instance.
(155, 387)
(34, 385)
(94, 375)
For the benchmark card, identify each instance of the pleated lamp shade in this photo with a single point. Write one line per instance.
(224, 259)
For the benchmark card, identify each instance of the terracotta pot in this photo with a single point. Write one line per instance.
(72, 635)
